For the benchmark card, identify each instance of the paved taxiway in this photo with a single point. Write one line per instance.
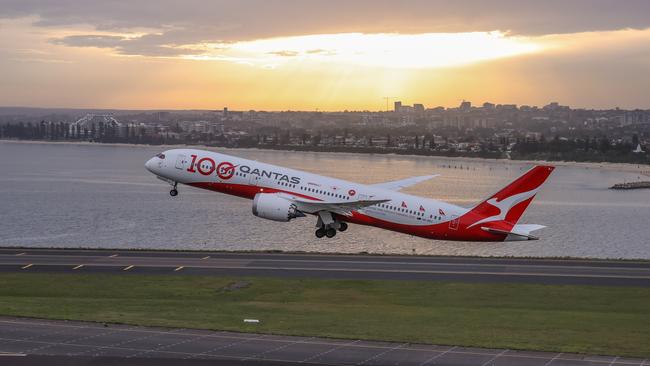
(34, 341)
(549, 271)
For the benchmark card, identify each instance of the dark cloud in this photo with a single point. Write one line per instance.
(147, 45)
(194, 21)
(100, 41)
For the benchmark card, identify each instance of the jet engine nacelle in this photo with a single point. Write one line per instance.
(272, 207)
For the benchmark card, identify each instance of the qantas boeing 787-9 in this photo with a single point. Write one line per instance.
(283, 194)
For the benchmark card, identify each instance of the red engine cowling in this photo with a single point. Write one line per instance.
(270, 206)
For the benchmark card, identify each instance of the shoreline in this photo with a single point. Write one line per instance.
(622, 167)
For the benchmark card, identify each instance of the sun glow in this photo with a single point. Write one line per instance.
(429, 50)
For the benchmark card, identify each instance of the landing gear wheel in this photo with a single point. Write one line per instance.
(343, 226)
(330, 232)
(320, 233)
(173, 193)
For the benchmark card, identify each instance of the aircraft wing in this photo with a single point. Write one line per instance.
(397, 185)
(342, 208)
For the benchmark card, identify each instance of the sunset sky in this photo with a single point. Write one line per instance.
(325, 55)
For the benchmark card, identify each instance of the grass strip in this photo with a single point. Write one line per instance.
(561, 318)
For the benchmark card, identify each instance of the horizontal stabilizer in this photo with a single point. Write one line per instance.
(518, 232)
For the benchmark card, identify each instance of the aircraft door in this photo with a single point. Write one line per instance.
(453, 224)
(181, 160)
(254, 180)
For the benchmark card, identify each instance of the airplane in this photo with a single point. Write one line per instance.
(283, 194)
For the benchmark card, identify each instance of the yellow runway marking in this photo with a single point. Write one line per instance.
(127, 268)
(206, 257)
(179, 268)
(79, 266)
(27, 266)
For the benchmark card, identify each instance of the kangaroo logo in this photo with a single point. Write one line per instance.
(225, 170)
(505, 206)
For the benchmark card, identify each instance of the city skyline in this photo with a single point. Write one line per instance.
(325, 56)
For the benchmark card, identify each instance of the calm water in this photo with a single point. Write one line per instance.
(101, 196)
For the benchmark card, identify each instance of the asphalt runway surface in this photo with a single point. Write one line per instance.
(38, 342)
(335, 266)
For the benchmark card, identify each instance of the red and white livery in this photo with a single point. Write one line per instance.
(283, 194)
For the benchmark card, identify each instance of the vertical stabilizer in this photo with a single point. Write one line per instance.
(503, 209)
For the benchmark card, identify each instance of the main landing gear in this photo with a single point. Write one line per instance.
(330, 232)
(327, 226)
(174, 191)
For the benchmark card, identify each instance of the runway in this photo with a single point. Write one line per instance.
(51, 342)
(334, 266)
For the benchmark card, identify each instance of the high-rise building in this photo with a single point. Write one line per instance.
(398, 106)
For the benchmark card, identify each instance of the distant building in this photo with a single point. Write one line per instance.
(465, 106)
(488, 106)
(418, 108)
(552, 106)
(398, 106)
(634, 117)
(507, 107)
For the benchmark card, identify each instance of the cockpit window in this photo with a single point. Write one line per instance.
(161, 156)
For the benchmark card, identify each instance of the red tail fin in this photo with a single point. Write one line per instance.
(507, 205)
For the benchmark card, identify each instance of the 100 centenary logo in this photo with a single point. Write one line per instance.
(226, 170)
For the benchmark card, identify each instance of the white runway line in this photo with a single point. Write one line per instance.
(438, 355)
(79, 266)
(179, 268)
(23, 253)
(112, 256)
(127, 268)
(27, 266)
(206, 257)
(330, 350)
(495, 357)
(12, 354)
(553, 359)
(289, 343)
(235, 339)
(382, 353)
